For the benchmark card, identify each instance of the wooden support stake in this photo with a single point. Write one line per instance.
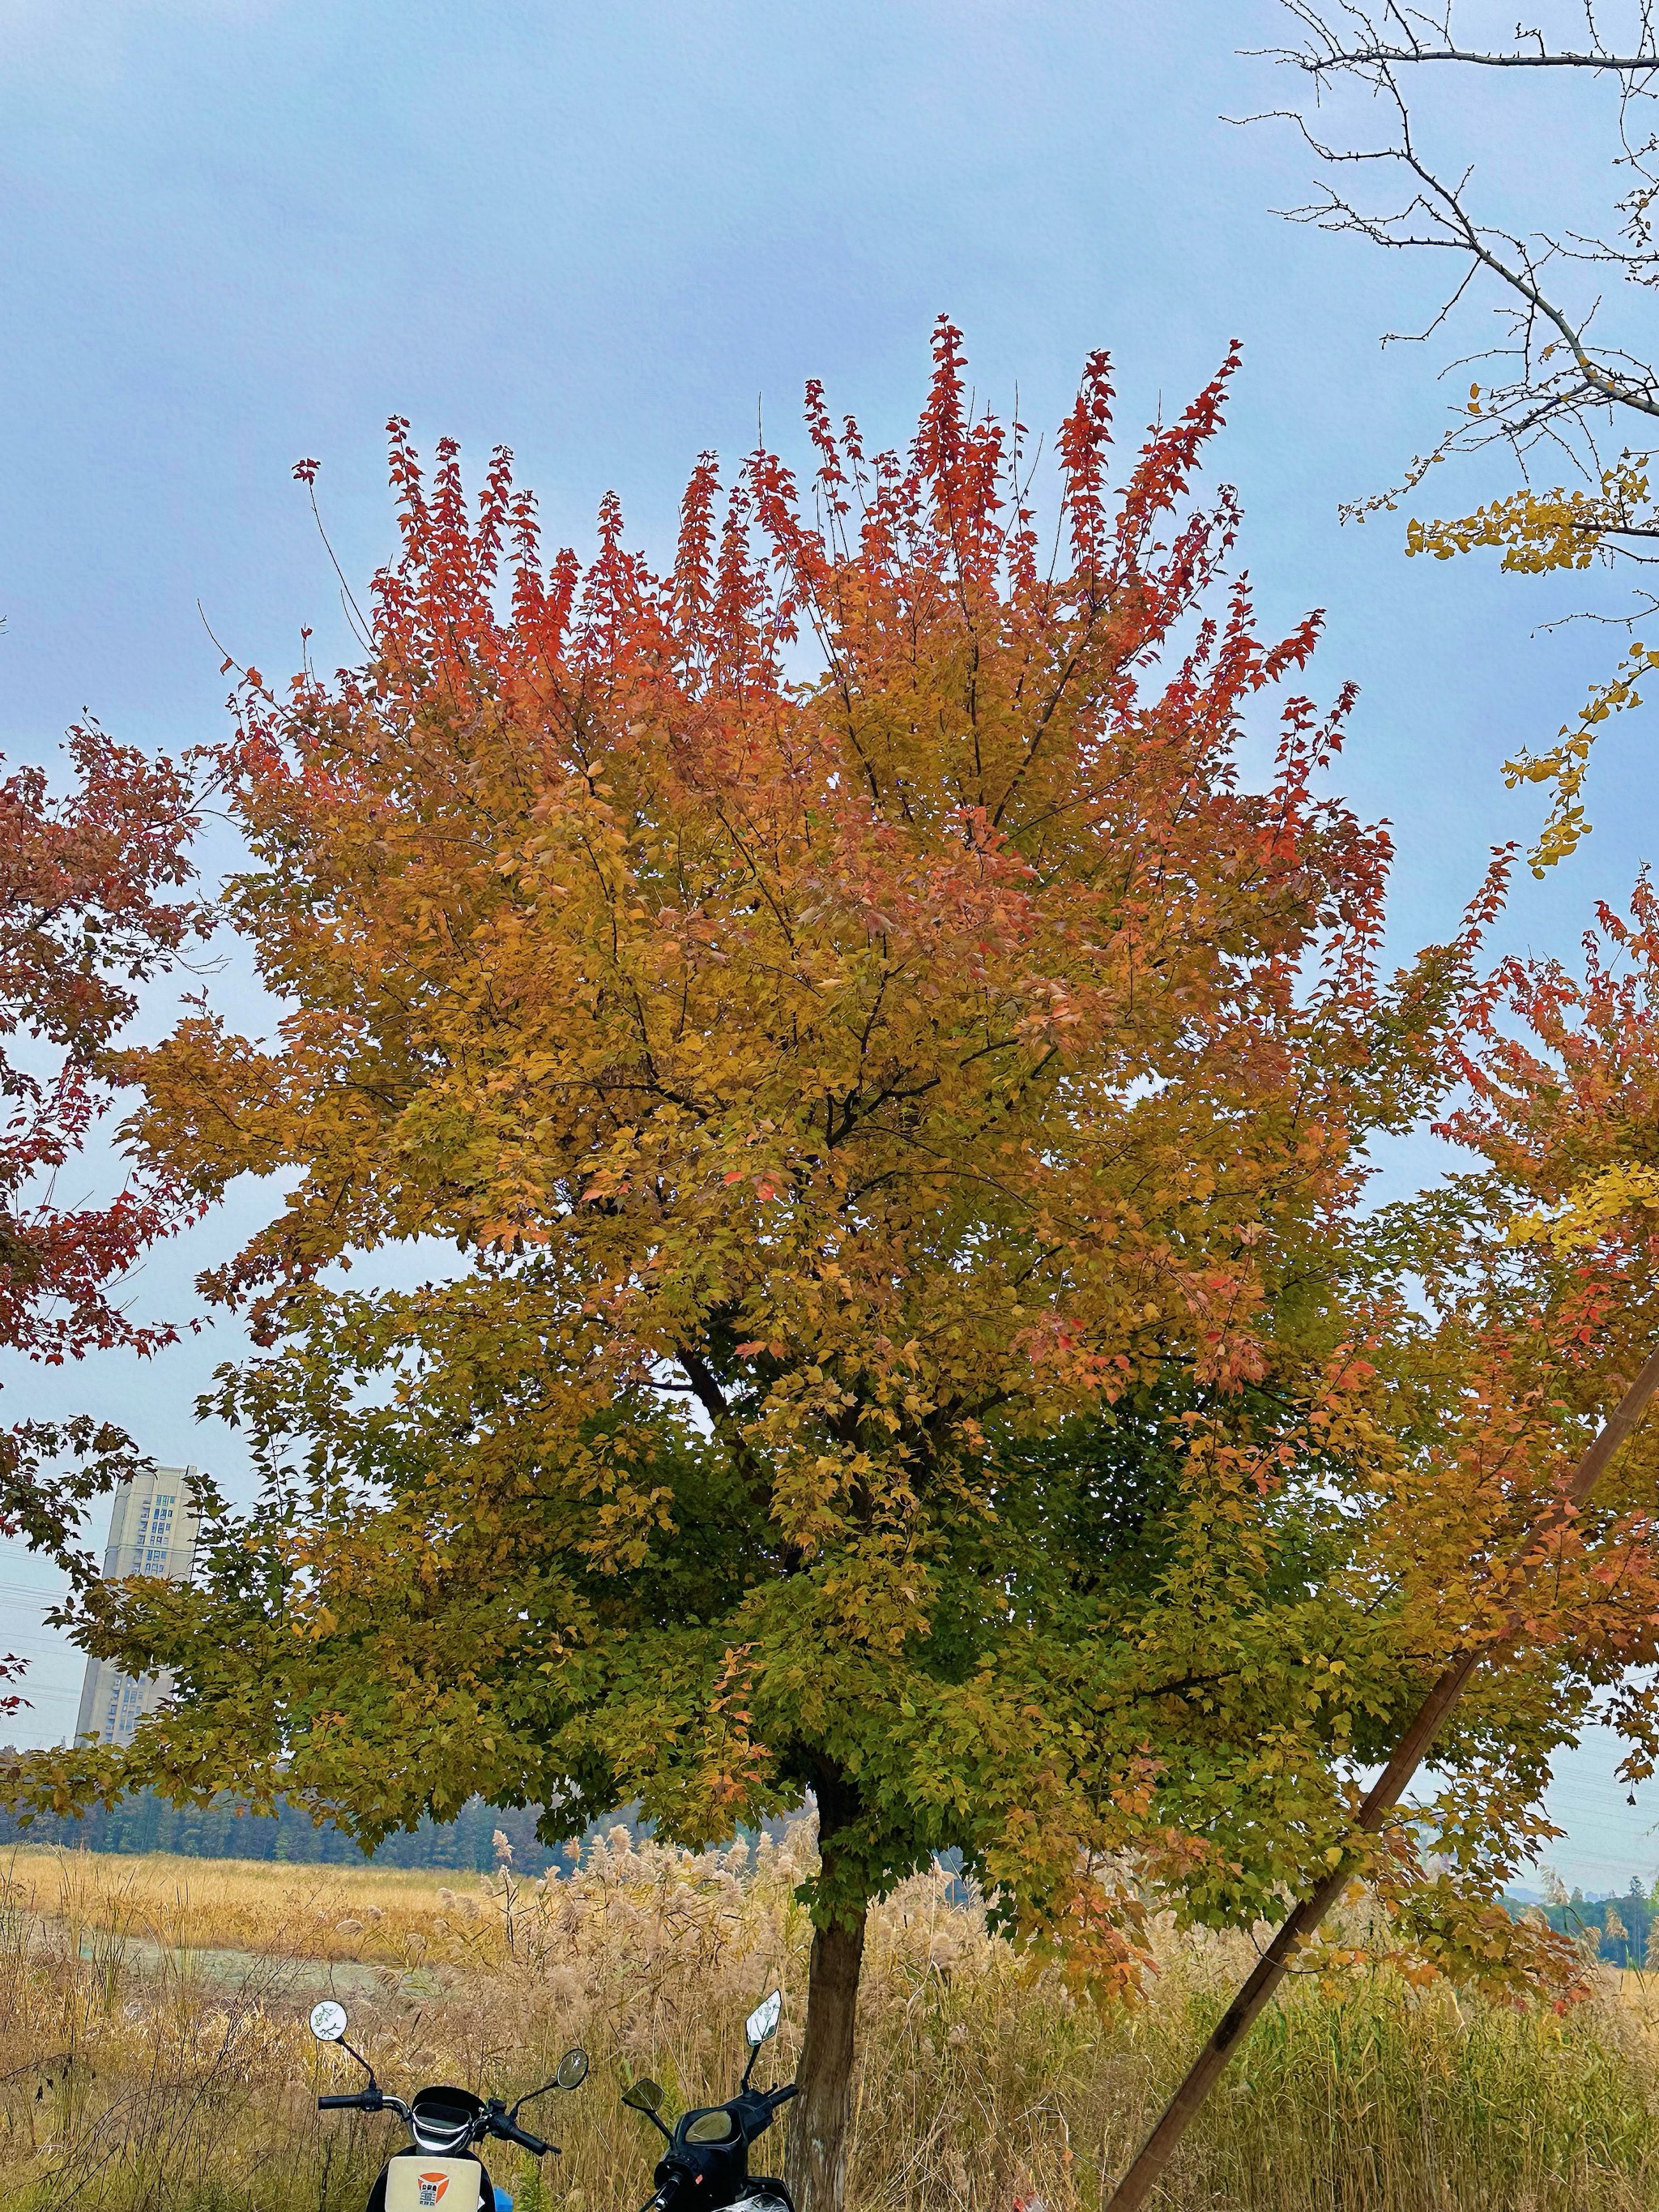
(1384, 1795)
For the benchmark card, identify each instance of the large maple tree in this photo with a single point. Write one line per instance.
(895, 1093)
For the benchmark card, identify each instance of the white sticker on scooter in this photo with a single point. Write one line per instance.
(432, 2185)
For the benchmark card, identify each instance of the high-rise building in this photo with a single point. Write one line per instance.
(152, 1531)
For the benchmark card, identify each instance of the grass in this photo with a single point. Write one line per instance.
(153, 2055)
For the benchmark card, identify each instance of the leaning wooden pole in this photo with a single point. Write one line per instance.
(1385, 1793)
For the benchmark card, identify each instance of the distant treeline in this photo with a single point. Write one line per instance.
(1625, 1925)
(225, 1830)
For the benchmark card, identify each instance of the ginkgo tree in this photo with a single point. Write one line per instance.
(895, 1093)
(1567, 385)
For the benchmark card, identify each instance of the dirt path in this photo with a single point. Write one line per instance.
(320, 1976)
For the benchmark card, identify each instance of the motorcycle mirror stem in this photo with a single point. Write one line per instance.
(328, 2025)
(341, 2044)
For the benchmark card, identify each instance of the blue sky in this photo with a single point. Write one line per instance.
(238, 231)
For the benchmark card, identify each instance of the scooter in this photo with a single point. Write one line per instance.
(439, 2171)
(706, 2164)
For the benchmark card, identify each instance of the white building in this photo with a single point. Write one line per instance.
(152, 1531)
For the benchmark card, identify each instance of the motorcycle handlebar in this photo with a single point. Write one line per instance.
(533, 2144)
(782, 2096)
(362, 2102)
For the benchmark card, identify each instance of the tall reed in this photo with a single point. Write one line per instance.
(154, 2057)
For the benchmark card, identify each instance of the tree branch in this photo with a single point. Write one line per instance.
(1400, 36)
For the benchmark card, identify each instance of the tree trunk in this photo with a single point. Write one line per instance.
(815, 2166)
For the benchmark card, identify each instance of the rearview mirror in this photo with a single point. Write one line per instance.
(761, 2024)
(643, 2096)
(569, 2073)
(328, 2021)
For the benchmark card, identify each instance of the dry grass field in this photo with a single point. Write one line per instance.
(153, 2056)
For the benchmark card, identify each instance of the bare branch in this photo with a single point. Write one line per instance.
(1353, 39)
(1559, 387)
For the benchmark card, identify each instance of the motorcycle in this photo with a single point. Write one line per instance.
(706, 2164)
(439, 2171)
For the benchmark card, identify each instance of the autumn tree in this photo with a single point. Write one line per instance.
(894, 1095)
(1564, 381)
(86, 916)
